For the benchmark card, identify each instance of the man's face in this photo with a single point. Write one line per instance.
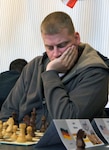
(57, 44)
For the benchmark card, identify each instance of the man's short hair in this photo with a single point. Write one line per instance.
(55, 22)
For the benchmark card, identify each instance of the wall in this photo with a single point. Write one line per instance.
(20, 26)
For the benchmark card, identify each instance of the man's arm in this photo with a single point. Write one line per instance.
(84, 96)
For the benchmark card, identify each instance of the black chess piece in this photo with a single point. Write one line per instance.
(33, 121)
(15, 117)
(79, 140)
(44, 125)
(26, 120)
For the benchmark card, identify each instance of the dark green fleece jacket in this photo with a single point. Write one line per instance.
(81, 93)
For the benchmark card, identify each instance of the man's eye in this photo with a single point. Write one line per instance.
(62, 45)
(50, 47)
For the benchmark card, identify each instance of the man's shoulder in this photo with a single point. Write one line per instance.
(8, 74)
(39, 60)
(35, 65)
(8, 78)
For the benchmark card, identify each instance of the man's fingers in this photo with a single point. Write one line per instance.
(67, 54)
(70, 58)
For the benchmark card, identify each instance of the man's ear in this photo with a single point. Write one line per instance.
(77, 38)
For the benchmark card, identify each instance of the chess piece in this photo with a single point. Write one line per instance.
(29, 133)
(14, 116)
(1, 126)
(26, 120)
(33, 121)
(14, 135)
(9, 130)
(21, 137)
(79, 140)
(4, 128)
(44, 124)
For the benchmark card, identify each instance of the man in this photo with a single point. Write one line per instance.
(69, 81)
(9, 78)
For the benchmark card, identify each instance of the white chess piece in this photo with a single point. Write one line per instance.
(21, 137)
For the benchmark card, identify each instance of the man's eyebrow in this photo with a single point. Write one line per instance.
(65, 42)
(48, 45)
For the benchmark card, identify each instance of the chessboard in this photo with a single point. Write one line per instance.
(21, 135)
(24, 133)
(32, 141)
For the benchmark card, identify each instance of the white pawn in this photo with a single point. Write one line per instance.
(14, 135)
(29, 133)
(21, 137)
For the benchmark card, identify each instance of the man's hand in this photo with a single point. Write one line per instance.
(65, 61)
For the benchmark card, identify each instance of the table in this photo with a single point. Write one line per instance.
(55, 147)
(15, 147)
(104, 147)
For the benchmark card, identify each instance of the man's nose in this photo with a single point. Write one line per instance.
(56, 52)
